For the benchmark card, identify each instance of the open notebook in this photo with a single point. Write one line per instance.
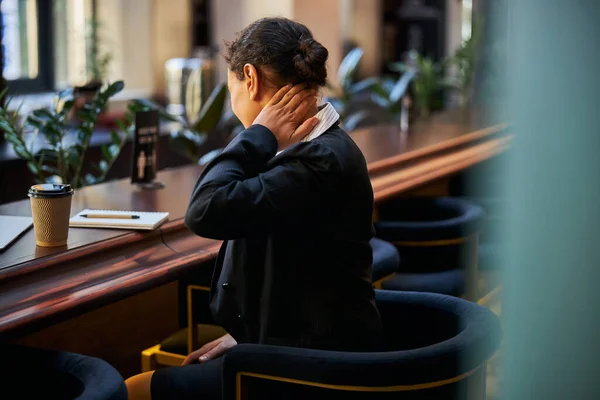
(145, 220)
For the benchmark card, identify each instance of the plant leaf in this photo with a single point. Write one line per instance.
(356, 120)
(106, 153)
(74, 156)
(34, 122)
(185, 147)
(398, 66)
(65, 93)
(211, 112)
(364, 85)
(44, 114)
(115, 138)
(402, 85)
(47, 154)
(145, 104)
(381, 101)
(165, 116)
(32, 167)
(348, 67)
(121, 125)
(103, 166)
(114, 150)
(383, 88)
(90, 179)
(22, 152)
(113, 89)
(67, 105)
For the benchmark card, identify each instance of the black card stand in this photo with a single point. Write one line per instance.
(154, 185)
(143, 160)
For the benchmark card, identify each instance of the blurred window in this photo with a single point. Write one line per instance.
(467, 16)
(27, 45)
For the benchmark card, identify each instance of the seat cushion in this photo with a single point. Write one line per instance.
(451, 282)
(428, 219)
(178, 342)
(386, 259)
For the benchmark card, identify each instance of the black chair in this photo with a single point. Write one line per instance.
(437, 347)
(437, 240)
(386, 260)
(30, 373)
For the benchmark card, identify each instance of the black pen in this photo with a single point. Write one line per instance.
(110, 216)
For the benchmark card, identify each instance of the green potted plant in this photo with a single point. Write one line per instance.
(62, 156)
(462, 64)
(97, 58)
(426, 83)
(97, 64)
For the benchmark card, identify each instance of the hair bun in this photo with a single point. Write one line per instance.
(310, 60)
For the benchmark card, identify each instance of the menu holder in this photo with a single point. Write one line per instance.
(145, 140)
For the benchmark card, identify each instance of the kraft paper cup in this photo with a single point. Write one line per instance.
(51, 209)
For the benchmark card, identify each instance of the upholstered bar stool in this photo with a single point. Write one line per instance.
(441, 354)
(437, 239)
(386, 260)
(30, 373)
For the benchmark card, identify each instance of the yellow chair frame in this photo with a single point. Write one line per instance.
(154, 357)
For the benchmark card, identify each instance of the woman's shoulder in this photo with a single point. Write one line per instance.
(339, 143)
(334, 147)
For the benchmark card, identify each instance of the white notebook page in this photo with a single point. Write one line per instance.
(147, 220)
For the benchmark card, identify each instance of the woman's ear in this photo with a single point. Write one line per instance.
(252, 81)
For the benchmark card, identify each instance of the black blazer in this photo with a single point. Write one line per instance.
(295, 267)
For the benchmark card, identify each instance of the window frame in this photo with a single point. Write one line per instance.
(44, 81)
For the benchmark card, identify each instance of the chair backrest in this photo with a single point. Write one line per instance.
(417, 324)
(439, 346)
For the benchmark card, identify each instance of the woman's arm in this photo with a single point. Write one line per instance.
(233, 198)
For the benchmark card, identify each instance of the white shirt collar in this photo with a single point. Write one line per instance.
(327, 116)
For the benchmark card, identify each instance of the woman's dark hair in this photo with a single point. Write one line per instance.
(283, 50)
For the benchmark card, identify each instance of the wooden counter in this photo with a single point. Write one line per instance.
(40, 286)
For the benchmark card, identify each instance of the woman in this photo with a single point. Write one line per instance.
(292, 200)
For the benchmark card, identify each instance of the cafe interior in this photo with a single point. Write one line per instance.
(476, 121)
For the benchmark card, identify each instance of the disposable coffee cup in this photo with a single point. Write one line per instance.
(51, 209)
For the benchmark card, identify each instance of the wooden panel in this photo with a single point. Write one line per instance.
(117, 333)
(58, 291)
(402, 179)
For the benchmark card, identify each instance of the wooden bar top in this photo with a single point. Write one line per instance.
(39, 286)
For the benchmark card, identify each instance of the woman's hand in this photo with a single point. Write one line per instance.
(211, 350)
(285, 114)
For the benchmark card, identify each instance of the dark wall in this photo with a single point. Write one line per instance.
(417, 26)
